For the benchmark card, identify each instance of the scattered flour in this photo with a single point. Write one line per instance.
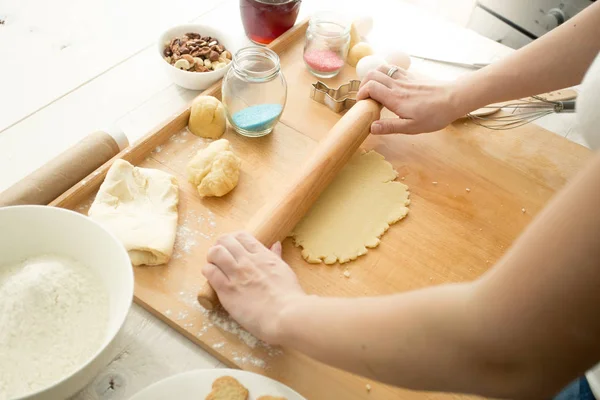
(54, 317)
(178, 138)
(223, 321)
(86, 204)
(181, 315)
(185, 241)
(248, 359)
(192, 226)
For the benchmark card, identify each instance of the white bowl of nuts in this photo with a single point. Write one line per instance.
(195, 56)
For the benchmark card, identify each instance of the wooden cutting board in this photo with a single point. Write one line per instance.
(473, 191)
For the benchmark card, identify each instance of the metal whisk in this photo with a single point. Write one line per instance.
(519, 113)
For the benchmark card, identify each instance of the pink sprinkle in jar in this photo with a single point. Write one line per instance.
(327, 42)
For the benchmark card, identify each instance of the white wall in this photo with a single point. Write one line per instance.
(457, 11)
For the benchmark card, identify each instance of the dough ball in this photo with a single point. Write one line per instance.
(366, 64)
(364, 25)
(358, 52)
(354, 36)
(207, 117)
(214, 170)
(398, 58)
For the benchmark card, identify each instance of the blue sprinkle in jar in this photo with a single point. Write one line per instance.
(254, 91)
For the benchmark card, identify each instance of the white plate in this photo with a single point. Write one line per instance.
(196, 385)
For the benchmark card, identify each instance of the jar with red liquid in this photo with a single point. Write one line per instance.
(266, 20)
(327, 43)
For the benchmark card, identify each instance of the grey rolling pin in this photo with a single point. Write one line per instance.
(61, 173)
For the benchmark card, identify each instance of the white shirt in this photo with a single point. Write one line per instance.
(588, 119)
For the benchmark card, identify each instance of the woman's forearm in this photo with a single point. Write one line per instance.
(413, 340)
(556, 60)
(521, 331)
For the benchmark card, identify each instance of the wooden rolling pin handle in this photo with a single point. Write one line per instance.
(277, 218)
(61, 173)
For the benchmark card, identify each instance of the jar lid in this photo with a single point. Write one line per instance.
(256, 63)
(330, 24)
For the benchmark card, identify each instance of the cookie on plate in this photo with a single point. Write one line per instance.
(227, 388)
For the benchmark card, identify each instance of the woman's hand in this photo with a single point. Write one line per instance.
(253, 283)
(422, 106)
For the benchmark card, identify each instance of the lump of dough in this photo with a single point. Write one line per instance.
(139, 206)
(207, 117)
(359, 51)
(354, 35)
(215, 170)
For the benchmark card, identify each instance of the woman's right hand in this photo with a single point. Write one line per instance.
(253, 283)
(421, 105)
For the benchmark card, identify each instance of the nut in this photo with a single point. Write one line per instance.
(182, 64)
(188, 58)
(204, 52)
(193, 52)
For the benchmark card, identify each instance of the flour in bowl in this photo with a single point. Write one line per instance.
(53, 319)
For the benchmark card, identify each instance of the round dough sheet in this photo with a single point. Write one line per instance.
(353, 212)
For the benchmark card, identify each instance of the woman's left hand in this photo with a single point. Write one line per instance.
(421, 105)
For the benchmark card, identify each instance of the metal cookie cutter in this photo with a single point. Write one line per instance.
(340, 99)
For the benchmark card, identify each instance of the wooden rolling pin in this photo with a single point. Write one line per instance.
(277, 218)
(62, 172)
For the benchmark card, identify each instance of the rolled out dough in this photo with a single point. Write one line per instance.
(139, 206)
(353, 212)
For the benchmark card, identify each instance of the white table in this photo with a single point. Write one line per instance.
(76, 66)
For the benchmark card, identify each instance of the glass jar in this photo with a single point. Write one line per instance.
(327, 43)
(254, 91)
(266, 20)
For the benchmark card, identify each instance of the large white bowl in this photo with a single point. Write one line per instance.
(194, 80)
(28, 231)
